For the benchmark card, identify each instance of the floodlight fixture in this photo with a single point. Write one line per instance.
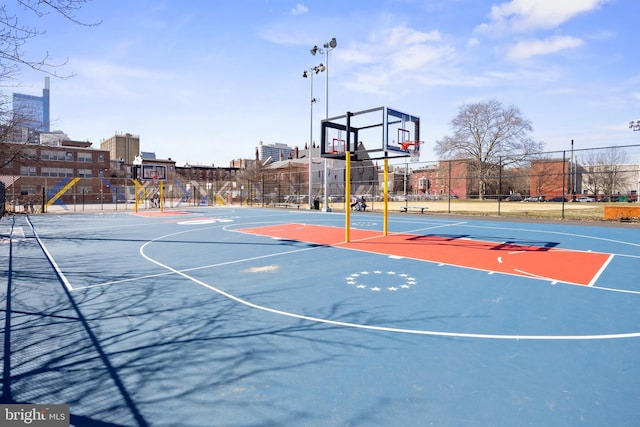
(332, 44)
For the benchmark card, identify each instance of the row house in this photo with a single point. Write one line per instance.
(207, 173)
(446, 178)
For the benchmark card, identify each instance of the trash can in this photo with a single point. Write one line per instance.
(316, 204)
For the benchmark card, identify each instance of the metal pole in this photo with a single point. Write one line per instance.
(309, 152)
(385, 209)
(347, 196)
(326, 116)
(326, 83)
(564, 177)
(571, 187)
(406, 174)
(638, 190)
(499, 183)
(449, 195)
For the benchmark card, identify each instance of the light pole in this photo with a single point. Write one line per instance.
(309, 73)
(326, 48)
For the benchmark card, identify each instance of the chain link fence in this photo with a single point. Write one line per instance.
(562, 184)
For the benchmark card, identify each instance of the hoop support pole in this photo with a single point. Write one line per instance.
(385, 215)
(347, 197)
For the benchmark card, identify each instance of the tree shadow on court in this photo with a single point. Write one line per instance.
(166, 352)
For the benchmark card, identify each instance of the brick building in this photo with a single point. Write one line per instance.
(31, 169)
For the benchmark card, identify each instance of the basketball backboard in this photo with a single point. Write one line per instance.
(382, 130)
(334, 139)
(403, 131)
(154, 172)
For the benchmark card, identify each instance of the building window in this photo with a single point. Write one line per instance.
(101, 157)
(28, 171)
(85, 157)
(29, 154)
(84, 173)
(61, 155)
(57, 172)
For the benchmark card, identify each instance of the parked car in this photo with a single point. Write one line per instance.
(557, 199)
(609, 199)
(513, 198)
(585, 199)
(534, 199)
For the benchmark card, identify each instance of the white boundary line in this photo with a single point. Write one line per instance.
(61, 275)
(371, 327)
(600, 271)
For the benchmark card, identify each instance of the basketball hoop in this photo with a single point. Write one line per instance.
(413, 148)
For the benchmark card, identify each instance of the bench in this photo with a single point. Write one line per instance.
(286, 205)
(413, 208)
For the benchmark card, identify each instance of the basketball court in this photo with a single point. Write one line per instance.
(244, 317)
(248, 317)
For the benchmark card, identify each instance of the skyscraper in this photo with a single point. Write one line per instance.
(33, 111)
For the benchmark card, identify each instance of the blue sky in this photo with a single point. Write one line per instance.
(205, 81)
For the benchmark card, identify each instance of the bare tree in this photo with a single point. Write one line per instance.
(491, 136)
(14, 35)
(604, 170)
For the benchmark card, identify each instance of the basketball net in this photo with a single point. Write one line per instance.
(413, 147)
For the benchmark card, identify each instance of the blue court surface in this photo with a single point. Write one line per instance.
(198, 318)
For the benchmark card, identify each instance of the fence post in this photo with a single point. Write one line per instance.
(499, 183)
(564, 177)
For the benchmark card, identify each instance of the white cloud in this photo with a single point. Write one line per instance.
(395, 54)
(397, 48)
(526, 15)
(403, 36)
(300, 9)
(531, 48)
